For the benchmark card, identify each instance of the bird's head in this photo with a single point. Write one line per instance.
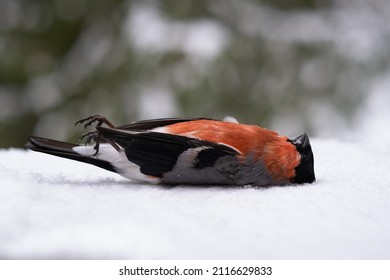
(304, 171)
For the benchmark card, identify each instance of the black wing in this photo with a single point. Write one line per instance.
(157, 153)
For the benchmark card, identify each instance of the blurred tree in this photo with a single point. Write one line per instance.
(281, 64)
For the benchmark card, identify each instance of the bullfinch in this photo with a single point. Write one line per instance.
(193, 151)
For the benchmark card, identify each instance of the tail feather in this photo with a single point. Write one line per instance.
(65, 150)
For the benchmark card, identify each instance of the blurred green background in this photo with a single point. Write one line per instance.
(287, 65)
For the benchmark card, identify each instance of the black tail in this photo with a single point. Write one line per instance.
(63, 149)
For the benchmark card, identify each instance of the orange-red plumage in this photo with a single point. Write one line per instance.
(279, 156)
(239, 136)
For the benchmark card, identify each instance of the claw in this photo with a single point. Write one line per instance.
(85, 119)
(89, 120)
(89, 139)
(89, 136)
(95, 118)
(97, 145)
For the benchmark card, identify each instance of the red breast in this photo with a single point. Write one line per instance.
(278, 154)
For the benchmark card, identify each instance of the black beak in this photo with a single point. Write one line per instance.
(302, 140)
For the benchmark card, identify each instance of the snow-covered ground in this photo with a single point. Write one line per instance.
(57, 208)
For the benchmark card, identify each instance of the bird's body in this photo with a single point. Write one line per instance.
(191, 151)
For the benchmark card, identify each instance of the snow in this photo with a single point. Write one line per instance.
(54, 208)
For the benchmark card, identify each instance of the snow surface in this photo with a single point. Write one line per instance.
(54, 208)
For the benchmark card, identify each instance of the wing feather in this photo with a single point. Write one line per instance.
(157, 153)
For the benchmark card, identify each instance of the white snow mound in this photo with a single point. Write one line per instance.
(53, 208)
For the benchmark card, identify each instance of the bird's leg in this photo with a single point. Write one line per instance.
(98, 141)
(113, 144)
(95, 118)
(95, 135)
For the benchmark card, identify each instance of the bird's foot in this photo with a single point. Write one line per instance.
(95, 118)
(95, 135)
(89, 136)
